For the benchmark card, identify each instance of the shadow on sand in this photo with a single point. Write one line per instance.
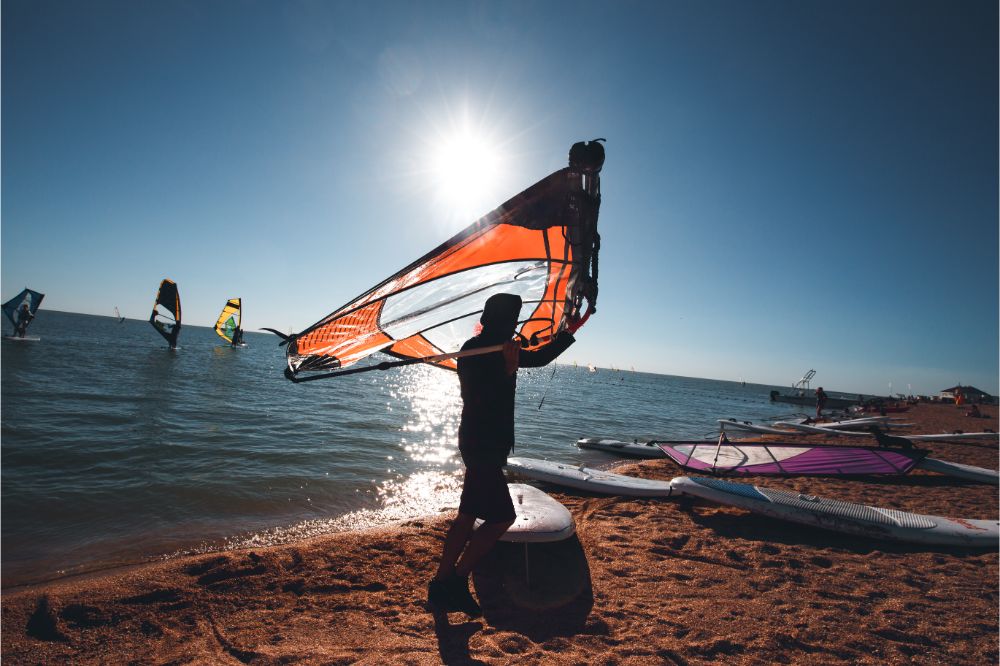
(542, 592)
(453, 640)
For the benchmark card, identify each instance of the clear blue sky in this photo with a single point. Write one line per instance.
(789, 185)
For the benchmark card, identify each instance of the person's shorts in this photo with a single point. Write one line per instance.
(485, 494)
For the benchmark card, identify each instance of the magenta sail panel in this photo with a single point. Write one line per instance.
(790, 459)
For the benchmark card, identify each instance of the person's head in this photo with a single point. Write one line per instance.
(499, 318)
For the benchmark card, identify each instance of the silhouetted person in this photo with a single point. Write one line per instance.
(485, 439)
(24, 317)
(820, 402)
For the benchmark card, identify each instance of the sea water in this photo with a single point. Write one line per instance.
(117, 450)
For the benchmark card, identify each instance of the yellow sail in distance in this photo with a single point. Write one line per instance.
(229, 320)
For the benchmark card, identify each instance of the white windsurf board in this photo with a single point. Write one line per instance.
(732, 424)
(952, 436)
(586, 478)
(880, 421)
(846, 517)
(540, 517)
(958, 470)
(939, 437)
(634, 449)
(823, 430)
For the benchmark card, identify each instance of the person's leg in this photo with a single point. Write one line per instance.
(449, 591)
(497, 511)
(440, 594)
(484, 494)
(483, 539)
(457, 585)
(454, 544)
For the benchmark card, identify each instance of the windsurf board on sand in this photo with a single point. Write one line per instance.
(823, 430)
(936, 437)
(733, 424)
(949, 436)
(540, 517)
(846, 517)
(586, 478)
(841, 425)
(958, 470)
(634, 449)
(766, 430)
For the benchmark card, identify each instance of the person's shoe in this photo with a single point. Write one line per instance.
(439, 597)
(458, 591)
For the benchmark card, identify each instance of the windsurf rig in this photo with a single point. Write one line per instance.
(734, 458)
(14, 309)
(166, 316)
(541, 244)
(228, 325)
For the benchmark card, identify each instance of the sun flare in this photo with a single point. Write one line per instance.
(465, 167)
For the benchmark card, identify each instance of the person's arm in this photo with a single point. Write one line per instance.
(547, 354)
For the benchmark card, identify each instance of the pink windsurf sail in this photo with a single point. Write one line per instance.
(791, 459)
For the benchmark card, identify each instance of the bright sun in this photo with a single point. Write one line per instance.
(465, 168)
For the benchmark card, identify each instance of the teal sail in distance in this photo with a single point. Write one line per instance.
(21, 309)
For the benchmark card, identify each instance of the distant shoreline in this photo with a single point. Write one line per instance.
(749, 384)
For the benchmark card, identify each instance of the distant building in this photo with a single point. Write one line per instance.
(969, 394)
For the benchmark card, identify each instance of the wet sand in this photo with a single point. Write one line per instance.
(643, 582)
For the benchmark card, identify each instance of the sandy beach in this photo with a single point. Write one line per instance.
(673, 581)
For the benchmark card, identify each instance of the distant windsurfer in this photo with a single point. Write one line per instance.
(169, 331)
(24, 317)
(237, 337)
(485, 439)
